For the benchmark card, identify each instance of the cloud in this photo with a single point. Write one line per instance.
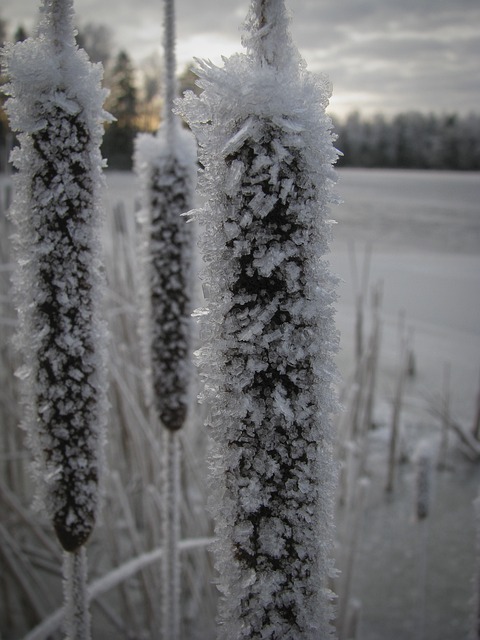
(386, 55)
(379, 54)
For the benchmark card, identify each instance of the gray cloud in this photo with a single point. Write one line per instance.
(379, 54)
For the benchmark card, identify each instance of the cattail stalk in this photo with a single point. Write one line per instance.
(77, 618)
(396, 415)
(266, 146)
(55, 105)
(446, 418)
(171, 613)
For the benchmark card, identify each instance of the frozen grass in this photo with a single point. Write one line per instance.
(380, 543)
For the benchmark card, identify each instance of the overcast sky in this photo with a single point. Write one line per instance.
(381, 55)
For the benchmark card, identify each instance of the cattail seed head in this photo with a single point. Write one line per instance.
(267, 363)
(56, 108)
(168, 176)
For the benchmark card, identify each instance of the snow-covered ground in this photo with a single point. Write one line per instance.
(415, 580)
(423, 233)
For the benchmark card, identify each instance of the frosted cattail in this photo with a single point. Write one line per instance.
(168, 177)
(167, 168)
(266, 146)
(55, 105)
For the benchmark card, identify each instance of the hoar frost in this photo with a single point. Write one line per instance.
(55, 105)
(266, 146)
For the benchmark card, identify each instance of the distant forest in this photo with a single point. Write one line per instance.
(408, 140)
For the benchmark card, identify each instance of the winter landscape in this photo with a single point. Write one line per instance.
(316, 475)
(410, 578)
(419, 234)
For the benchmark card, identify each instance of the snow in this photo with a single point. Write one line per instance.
(398, 198)
(423, 230)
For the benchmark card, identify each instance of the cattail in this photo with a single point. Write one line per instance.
(168, 175)
(266, 146)
(55, 105)
(166, 165)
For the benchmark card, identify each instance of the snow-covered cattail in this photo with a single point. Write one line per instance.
(55, 105)
(266, 145)
(167, 168)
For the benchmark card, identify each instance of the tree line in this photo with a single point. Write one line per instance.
(411, 140)
(135, 92)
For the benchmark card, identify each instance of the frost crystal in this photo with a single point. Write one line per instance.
(267, 362)
(55, 105)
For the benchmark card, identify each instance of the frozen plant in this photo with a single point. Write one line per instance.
(55, 106)
(167, 167)
(266, 147)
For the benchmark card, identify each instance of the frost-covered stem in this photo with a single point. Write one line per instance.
(76, 612)
(59, 23)
(372, 366)
(424, 480)
(446, 419)
(422, 558)
(352, 546)
(395, 426)
(56, 108)
(269, 26)
(171, 537)
(170, 69)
